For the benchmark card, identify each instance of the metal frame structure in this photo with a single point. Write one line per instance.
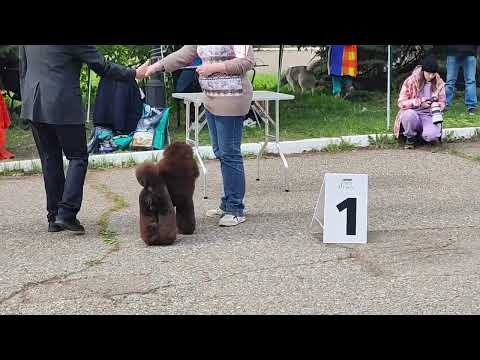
(259, 98)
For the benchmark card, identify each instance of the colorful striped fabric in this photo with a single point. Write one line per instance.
(349, 66)
(342, 60)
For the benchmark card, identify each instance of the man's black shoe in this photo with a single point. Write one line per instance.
(52, 227)
(73, 226)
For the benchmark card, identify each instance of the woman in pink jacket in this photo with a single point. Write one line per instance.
(423, 90)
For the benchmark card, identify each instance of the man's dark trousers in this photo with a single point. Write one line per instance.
(64, 195)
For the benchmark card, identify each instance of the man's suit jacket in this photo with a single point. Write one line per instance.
(50, 80)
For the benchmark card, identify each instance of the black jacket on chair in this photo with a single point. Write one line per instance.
(118, 105)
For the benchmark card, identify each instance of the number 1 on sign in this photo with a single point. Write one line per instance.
(351, 205)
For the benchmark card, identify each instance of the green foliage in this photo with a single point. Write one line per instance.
(7, 50)
(128, 55)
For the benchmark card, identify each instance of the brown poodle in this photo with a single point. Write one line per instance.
(167, 184)
(180, 171)
(157, 215)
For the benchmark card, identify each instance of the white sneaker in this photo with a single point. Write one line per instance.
(250, 123)
(231, 220)
(215, 213)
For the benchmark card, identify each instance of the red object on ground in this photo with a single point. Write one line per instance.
(4, 124)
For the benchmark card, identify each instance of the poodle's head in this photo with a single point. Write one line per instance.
(178, 151)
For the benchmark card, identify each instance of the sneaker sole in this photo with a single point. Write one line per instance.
(230, 225)
(215, 216)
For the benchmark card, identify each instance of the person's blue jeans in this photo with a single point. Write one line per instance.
(226, 137)
(469, 64)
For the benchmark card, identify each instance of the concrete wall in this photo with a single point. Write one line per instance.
(291, 57)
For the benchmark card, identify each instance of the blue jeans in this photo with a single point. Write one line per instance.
(226, 137)
(469, 64)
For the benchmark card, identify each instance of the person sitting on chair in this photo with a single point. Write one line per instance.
(423, 90)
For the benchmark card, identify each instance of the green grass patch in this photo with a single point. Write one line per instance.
(35, 170)
(106, 164)
(110, 237)
(341, 146)
(308, 116)
(21, 143)
(264, 81)
(322, 115)
(381, 141)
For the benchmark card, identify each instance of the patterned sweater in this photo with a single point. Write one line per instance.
(227, 94)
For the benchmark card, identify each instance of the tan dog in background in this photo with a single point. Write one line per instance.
(302, 77)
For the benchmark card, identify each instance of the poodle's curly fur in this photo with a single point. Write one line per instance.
(168, 184)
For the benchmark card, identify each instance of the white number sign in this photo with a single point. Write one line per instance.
(344, 208)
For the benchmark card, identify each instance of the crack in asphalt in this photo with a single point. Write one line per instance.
(109, 195)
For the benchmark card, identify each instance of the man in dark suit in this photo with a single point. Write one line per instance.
(51, 100)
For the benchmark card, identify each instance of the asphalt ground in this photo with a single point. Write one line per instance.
(422, 255)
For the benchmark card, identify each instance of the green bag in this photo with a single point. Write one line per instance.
(161, 130)
(122, 141)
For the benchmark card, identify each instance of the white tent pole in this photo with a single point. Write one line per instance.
(388, 89)
(89, 94)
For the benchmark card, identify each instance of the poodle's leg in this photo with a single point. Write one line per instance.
(186, 217)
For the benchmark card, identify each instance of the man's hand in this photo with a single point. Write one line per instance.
(208, 69)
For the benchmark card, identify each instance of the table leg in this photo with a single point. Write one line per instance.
(277, 139)
(197, 151)
(262, 149)
(178, 113)
(187, 121)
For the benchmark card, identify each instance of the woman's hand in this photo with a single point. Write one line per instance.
(426, 103)
(208, 69)
(152, 69)
(142, 71)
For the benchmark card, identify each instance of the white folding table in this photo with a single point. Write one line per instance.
(259, 98)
